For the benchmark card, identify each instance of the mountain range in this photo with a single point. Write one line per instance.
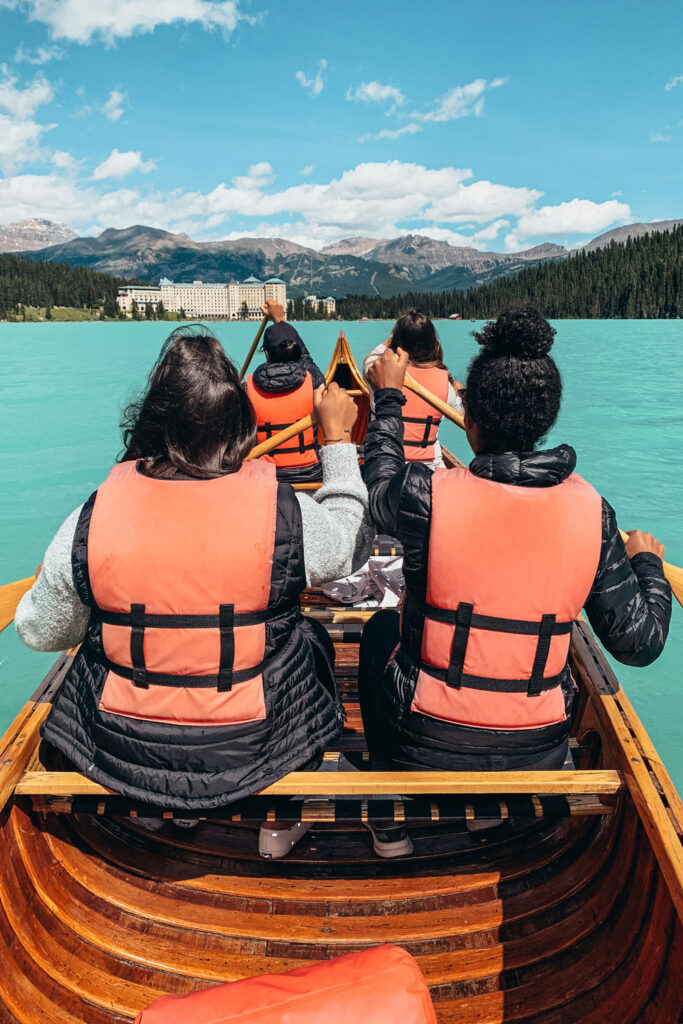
(363, 266)
(29, 235)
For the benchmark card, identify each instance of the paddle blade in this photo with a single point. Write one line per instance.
(10, 596)
(675, 577)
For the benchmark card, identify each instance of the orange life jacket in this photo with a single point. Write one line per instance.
(420, 420)
(509, 570)
(383, 985)
(276, 410)
(180, 575)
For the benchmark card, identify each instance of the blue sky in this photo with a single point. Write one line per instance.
(494, 123)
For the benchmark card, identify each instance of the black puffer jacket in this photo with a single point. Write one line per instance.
(629, 605)
(195, 767)
(279, 377)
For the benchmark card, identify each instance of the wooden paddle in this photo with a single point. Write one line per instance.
(10, 596)
(277, 439)
(254, 346)
(672, 572)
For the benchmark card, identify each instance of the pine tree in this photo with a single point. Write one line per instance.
(244, 312)
(135, 311)
(149, 311)
(161, 311)
(182, 315)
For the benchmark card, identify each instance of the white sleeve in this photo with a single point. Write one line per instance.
(51, 617)
(337, 529)
(376, 353)
(453, 400)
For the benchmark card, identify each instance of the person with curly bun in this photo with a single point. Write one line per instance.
(500, 558)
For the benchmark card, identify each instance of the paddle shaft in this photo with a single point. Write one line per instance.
(254, 346)
(277, 439)
(452, 414)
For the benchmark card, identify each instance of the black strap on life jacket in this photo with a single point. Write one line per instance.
(225, 621)
(429, 422)
(464, 620)
(273, 428)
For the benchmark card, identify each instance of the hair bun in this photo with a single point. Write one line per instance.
(521, 331)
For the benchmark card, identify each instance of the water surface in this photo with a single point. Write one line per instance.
(63, 386)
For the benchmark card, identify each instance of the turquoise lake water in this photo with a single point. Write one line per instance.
(63, 386)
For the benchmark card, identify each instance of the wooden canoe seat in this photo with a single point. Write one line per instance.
(356, 797)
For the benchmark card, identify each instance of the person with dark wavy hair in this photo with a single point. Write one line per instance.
(198, 681)
(499, 559)
(414, 332)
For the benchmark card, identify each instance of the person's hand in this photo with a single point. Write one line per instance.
(638, 541)
(334, 411)
(275, 310)
(388, 370)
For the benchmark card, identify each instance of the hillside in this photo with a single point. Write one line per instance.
(639, 278)
(387, 268)
(29, 235)
(44, 285)
(630, 231)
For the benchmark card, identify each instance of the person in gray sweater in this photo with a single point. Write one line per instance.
(197, 681)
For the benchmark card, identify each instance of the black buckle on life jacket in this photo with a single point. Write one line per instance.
(137, 645)
(226, 619)
(463, 624)
(545, 635)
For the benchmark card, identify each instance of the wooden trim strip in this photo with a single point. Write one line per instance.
(632, 750)
(606, 783)
(23, 736)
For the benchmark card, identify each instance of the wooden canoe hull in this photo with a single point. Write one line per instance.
(555, 921)
(549, 921)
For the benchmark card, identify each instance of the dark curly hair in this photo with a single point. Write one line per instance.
(514, 388)
(194, 416)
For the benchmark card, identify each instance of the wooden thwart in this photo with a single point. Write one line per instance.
(562, 783)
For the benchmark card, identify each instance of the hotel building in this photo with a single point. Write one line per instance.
(230, 301)
(329, 304)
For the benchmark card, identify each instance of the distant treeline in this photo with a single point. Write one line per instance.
(25, 282)
(641, 278)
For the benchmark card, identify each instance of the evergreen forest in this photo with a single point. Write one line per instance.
(25, 282)
(641, 278)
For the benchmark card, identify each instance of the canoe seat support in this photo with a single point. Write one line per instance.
(356, 797)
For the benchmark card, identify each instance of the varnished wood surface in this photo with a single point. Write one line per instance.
(567, 921)
(378, 783)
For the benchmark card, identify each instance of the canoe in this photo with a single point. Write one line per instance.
(570, 911)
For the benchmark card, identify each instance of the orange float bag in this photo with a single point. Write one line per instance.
(383, 985)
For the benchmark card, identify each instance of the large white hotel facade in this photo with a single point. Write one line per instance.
(230, 301)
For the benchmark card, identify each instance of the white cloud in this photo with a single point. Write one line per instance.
(462, 101)
(65, 161)
(257, 177)
(673, 82)
(316, 83)
(120, 165)
(113, 108)
(307, 170)
(20, 134)
(376, 92)
(660, 137)
(41, 55)
(380, 200)
(617, 192)
(82, 22)
(576, 217)
(392, 133)
(23, 103)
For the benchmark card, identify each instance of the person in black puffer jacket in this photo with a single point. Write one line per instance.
(499, 559)
(281, 391)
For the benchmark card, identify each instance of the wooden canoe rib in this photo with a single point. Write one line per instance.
(570, 912)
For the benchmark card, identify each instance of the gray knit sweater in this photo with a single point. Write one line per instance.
(337, 537)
